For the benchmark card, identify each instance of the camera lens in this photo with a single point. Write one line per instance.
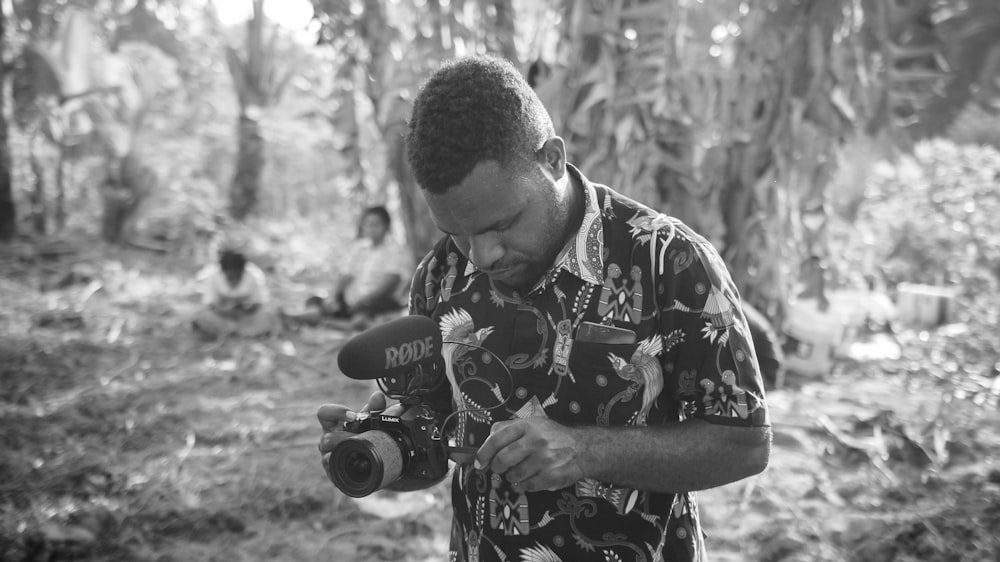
(358, 466)
(365, 463)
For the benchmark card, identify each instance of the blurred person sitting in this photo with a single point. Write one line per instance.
(372, 279)
(235, 299)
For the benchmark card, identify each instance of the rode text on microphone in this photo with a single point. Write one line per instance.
(409, 352)
(403, 356)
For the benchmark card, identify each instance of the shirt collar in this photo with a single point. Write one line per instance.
(583, 254)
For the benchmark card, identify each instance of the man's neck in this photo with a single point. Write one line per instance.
(578, 207)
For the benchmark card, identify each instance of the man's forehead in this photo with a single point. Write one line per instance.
(469, 215)
(480, 202)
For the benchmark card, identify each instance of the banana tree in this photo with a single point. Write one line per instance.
(935, 59)
(259, 79)
(73, 93)
(686, 107)
(730, 115)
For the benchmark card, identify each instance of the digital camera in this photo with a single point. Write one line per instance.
(411, 450)
(388, 449)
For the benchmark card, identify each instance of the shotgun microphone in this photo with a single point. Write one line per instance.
(392, 349)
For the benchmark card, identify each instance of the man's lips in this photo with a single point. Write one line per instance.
(503, 273)
(498, 273)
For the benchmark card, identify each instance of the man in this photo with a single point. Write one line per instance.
(625, 380)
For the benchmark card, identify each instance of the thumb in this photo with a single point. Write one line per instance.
(376, 402)
(331, 416)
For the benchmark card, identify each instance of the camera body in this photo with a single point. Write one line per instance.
(408, 450)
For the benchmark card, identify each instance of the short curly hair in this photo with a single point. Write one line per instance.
(472, 110)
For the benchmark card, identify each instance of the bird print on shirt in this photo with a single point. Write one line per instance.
(643, 370)
(460, 337)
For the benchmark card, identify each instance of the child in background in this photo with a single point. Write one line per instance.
(235, 299)
(373, 279)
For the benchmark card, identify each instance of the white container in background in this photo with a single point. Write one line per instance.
(924, 306)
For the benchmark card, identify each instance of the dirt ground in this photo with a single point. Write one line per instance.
(127, 437)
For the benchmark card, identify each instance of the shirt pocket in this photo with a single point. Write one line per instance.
(601, 388)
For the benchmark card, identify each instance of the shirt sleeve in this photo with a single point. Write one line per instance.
(708, 355)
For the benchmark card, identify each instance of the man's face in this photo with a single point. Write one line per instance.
(511, 222)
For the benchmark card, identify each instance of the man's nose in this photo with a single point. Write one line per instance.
(485, 250)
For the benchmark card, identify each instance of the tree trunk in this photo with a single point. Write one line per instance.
(61, 190)
(36, 198)
(128, 184)
(421, 234)
(245, 191)
(258, 85)
(8, 214)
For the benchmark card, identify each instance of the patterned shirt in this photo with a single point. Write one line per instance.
(638, 323)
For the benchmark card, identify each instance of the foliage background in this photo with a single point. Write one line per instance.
(864, 132)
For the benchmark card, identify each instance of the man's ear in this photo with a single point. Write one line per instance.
(553, 156)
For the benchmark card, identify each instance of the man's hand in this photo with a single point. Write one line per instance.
(332, 418)
(534, 453)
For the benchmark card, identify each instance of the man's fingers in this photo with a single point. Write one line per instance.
(330, 439)
(376, 402)
(332, 416)
(533, 454)
(523, 471)
(501, 436)
(533, 476)
(514, 454)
